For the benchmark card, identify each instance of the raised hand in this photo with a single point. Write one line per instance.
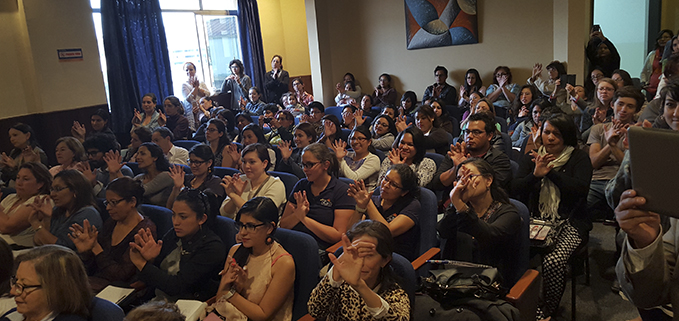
(458, 153)
(233, 275)
(238, 184)
(542, 164)
(401, 124)
(84, 237)
(177, 174)
(570, 90)
(537, 70)
(84, 167)
(612, 134)
(232, 150)
(535, 135)
(599, 116)
(136, 119)
(78, 130)
(114, 161)
(145, 245)
(286, 150)
(523, 112)
(7, 161)
(304, 119)
(348, 266)
(41, 211)
(339, 87)
(302, 206)
(360, 193)
(358, 117)
(463, 93)
(642, 227)
(340, 148)
(395, 156)
(30, 155)
(162, 119)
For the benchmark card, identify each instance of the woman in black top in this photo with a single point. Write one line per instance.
(553, 182)
(481, 209)
(202, 164)
(276, 81)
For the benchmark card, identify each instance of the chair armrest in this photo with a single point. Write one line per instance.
(334, 248)
(518, 290)
(524, 295)
(138, 285)
(307, 317)
(424, 257)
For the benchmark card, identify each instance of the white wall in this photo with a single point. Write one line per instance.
(625, 24)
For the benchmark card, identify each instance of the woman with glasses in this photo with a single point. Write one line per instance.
(71, 194)
(32, 181)
(106, 252)
(218, 139)
(361, 163)
(319, 204)
(186, 263)
(258, 277)
(397, 206)
(481, 209)
(238, 83)
(201, 163)
(502, 92)
(383, 132)
(256, 182)
(348, 117)
(600, 110)
(291, 158)
(409, 149)
(252, 134)
(50, 284)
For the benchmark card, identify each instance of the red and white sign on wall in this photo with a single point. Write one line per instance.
(70, 54)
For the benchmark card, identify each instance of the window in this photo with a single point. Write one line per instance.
(204, 32)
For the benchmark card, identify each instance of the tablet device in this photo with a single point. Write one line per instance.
(654, 156)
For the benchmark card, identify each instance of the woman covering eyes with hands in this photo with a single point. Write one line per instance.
(258, 277)
(361, 284)
(186, 263)
(106, 252)
(319, 204)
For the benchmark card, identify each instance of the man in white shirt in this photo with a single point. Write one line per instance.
(163, 137)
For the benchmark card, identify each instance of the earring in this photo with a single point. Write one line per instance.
(269, 240)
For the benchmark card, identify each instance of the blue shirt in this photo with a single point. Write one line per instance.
(60, 224)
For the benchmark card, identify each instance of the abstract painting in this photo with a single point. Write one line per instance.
(437, 23)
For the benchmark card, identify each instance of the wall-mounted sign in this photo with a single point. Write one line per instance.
(70, 54)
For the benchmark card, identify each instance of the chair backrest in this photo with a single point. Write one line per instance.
(508, 144)
(437, 158)
(160, 216)
(346, 180)
(514, 166)
(450, 138)
(134, 167)
(428, 212)
(380, 154)
(225, 228)
(289, 180)
(255, 119)
(523, 243)
(334, 110)
(186, 144)
(277, 152)
(502, 122)
(345, 134)
(304, 251)
(186, 168)
(104, 310)
(240, 146)
(223, 171)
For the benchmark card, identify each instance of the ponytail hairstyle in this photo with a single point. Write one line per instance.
(202, 203)
(366, 132)
(323, 154)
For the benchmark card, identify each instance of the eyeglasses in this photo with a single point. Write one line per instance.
(386, 181)
(196, 162)
(248, 226)
(93, 152)
(353, 138)
(20, 288)
(57, 189)
(500, 74)
(474, 132)
(597, 76)
(112, 202)
(211, 130)
(310, 165)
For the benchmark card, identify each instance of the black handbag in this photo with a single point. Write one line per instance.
(463, 280)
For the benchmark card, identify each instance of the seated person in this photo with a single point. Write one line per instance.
(282, 125)
(366, 103)
(383, 132)
(319, 204)
(441, 89)
(303, 97)
(156, 172)
(356, 93)
(391, 111)
(201, 163)
(186, 263)
(217, 137)
(443, 120)
(397, 206)
(96, 169)
(99, 124)
(599, 111)
(251, 134)
(163, 137)
(43, 275)
(481, 210)
(156, 311)
(553, 182)
(138, 136)
(6, 272)
(315, 117)
(348, 119)
(291, 162)
(361, 163)
(106, 252)
(332, 130)
(174, 119)
(242, 119)
(149, 116)
(551, 87)
(384, 93)
(258, 277)
(528, 129)
(360, 285)
(408, 104)
(502, 92)
(477, 143)
(257, 182)
(474, 98)
(73, 203)
(343, 97)
(289, 101)
(472, 84)
(69, 153)
(607, 148)
(33, 181)
(408, 149)
(435, 139)
(519, 110)
(26, 149)
(254, 107)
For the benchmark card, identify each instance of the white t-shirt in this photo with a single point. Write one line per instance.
(25, 237)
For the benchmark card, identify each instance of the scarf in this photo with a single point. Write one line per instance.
(550, 196)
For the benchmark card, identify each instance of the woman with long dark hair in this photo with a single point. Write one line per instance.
(252, 134)
(385, 93)
(193, 90)
(238, 83)
(276, 81)
(383, 132)
(409, 149)
(217, 138)
(361, 163)
(291, 158)
(202, 165)
(26, 149)
(332, 130)
(529, 128)
(520, 108)
(472, 83)
(149, 117)
(502, 92)
(361, 279)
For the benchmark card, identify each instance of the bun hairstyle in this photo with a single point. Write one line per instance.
(128, 189)
(201, 203)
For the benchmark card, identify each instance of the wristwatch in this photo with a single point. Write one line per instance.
(228, 295)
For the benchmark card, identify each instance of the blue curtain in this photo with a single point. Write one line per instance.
(137, 58)
(251, 41)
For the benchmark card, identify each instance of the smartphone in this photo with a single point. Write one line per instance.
(267, 120)
(596, 28)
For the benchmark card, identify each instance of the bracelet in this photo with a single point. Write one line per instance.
(228, 295)
(361, 210)
(38, 228)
